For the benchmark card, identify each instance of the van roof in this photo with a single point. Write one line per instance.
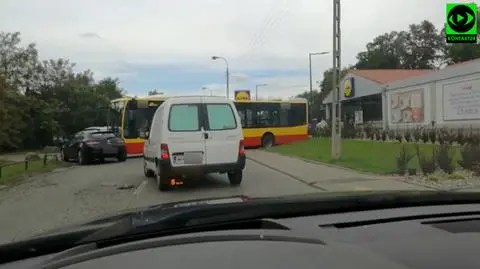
(190, 97)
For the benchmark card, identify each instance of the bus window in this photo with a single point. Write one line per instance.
(246, 113)
(268, 114)
(298, 114)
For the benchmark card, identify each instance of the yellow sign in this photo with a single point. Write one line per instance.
(348, 88)
(242, 95)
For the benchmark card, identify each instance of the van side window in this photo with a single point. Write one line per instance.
(220, 117)
(183, 118)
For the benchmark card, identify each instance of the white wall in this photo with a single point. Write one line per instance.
(458, 102)
(434, 108)
(440, 84)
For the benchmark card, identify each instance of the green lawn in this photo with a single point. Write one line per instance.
(12, 172)
(370, 156)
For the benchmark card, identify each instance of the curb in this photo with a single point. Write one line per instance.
(329, 165)
(311, 184)
(342, 168)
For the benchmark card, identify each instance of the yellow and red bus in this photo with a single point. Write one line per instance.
(133, 116)
(265, 123)
(268, 123)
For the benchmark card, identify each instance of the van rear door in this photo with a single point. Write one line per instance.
(224, 131)
(185, 139)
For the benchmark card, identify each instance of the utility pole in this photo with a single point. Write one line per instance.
(336, 98)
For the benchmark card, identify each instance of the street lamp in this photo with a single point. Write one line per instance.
(207, 90)
(227, 73)
(256, 90)
(310, 69)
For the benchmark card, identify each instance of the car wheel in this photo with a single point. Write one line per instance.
(122, 156)
(63, 156)
(235, 177)
(268, 140)
(162, 181)
(147, 172)
(81, 158)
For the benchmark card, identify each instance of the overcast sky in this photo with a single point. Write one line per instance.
(168, 44)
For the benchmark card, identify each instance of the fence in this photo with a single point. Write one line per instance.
(30, 164)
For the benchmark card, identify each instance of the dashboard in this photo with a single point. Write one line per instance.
(417, 237)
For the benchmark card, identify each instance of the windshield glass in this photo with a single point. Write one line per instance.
(139, 119)
(211, 99)
(101, 135)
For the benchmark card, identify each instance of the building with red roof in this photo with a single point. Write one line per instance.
(399, 98)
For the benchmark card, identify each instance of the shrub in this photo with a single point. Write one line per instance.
(470, 156)
(433, 135)
(475, 140)
(398, 137)
(348, 131)
(460, 137)
(427, 164)
(425, 137)
(403, 158)
(407, 136)
(449, 136)
(391, 134)
(444, 158)
(384, 135)
(417, 134)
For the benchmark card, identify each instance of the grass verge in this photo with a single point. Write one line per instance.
(14, 172)
(368, 156)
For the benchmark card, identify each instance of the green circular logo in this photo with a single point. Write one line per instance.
(461, 19)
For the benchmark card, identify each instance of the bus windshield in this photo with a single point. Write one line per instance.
(138, 121)
(115, 116)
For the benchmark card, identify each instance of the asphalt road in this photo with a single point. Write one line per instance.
(80, 193)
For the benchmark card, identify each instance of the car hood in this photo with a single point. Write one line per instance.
(159, 208)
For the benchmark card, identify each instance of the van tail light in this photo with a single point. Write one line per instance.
(92, 142)
(241, 149)
(164, 152)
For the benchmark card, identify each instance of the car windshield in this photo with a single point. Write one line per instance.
(120, 105)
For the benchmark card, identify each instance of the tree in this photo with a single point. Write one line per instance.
(41, 100)
(459, 52)
(153, 92)
(418, 48)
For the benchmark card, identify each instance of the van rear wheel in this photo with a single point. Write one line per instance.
(235, 177)
(162, 181)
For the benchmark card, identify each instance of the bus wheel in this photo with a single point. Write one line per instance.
(268, 140)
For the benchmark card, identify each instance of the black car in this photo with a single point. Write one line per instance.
(87, 146)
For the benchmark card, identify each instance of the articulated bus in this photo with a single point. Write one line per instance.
(265, 123)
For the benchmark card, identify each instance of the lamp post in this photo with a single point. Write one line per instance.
(256, 90)
(227, 73)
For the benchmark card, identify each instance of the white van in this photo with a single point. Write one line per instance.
(194, 136)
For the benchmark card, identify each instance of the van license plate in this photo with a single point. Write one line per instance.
(193, 157)
(178, 159)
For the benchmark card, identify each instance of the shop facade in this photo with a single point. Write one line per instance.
(449, 97)
(363, 95)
